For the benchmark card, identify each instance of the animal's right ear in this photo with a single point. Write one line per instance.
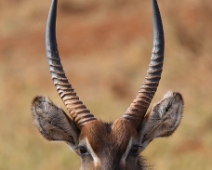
(53, 123)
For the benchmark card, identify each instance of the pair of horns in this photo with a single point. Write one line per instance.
(77, 110)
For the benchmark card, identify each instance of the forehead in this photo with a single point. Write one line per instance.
(111, 137)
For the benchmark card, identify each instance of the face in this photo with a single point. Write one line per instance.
(103, 146)
(109, 146)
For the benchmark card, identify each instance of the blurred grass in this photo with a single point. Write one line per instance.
(105, 48)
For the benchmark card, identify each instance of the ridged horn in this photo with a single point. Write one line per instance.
(78, 111)
(139, 106)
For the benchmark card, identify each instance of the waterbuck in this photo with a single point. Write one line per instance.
(108, 146)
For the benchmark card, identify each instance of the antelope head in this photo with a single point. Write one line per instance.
(100, 145)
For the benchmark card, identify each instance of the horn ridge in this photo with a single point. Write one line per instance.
(140, 104)
(78, 111)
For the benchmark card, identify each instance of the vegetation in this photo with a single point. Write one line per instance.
(105, 48)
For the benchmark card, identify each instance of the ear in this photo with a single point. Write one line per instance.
(163, 120)
(53, 123)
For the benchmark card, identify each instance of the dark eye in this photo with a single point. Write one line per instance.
(134, 150)
(82, 150)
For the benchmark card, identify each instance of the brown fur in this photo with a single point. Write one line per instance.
(109, 142)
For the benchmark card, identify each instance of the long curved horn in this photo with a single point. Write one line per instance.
(78, 111)
(139, 106)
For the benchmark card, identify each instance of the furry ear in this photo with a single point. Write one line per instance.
(163, 120)
(53, 123)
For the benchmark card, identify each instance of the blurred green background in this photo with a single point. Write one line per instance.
(105, 48)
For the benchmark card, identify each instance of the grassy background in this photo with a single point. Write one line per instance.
(105, 48)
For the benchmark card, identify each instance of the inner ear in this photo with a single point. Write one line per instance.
(53, 123)
(164, 118)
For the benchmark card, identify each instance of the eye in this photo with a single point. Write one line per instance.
(135, 150)
(83, 150)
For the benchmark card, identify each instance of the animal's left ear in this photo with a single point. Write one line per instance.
(163, 120)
